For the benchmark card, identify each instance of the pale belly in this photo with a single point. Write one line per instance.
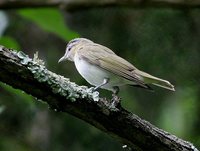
(95, 75)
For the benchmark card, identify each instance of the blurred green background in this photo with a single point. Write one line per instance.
(163, 42)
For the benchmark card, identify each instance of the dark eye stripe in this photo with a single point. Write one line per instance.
(73, 41)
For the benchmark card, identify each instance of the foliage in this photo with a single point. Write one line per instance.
(9, 42)
(50, 20)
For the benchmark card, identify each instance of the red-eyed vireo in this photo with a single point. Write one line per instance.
(101, 67)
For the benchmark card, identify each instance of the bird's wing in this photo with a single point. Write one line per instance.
(108, 60)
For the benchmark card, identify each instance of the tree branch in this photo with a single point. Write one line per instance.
(29, 75)
(74, 5)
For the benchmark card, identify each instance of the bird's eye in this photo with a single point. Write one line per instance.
(69, 48)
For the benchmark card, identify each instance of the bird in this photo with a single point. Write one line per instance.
(104, 69)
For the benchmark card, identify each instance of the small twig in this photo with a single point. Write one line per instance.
(76, 5)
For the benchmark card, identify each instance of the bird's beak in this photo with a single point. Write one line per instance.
(61, 59)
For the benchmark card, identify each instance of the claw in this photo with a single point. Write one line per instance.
(116, 101)
(91, 89)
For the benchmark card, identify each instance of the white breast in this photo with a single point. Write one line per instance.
(90, 73)
(95, 75)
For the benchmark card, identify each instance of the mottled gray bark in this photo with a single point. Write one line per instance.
(31, 76)
(74, 5)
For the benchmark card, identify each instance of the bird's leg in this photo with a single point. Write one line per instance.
(105, 81)
(115, 99)
(115, 90)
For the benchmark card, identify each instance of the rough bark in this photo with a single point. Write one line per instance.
(31, 76)
(74, 5)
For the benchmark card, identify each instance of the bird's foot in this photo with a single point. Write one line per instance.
(115, 101)
(92, 89)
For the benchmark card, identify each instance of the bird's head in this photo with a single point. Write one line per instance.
(72, 47)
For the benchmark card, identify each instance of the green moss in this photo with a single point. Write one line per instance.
(1, 48)
(58, 84)
(24, 58)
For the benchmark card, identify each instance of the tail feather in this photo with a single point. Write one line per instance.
(149, 79)
(147, 87)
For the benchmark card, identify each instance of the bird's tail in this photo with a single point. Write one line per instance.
(149, 79)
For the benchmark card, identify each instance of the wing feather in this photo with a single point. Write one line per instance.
(108, 60)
